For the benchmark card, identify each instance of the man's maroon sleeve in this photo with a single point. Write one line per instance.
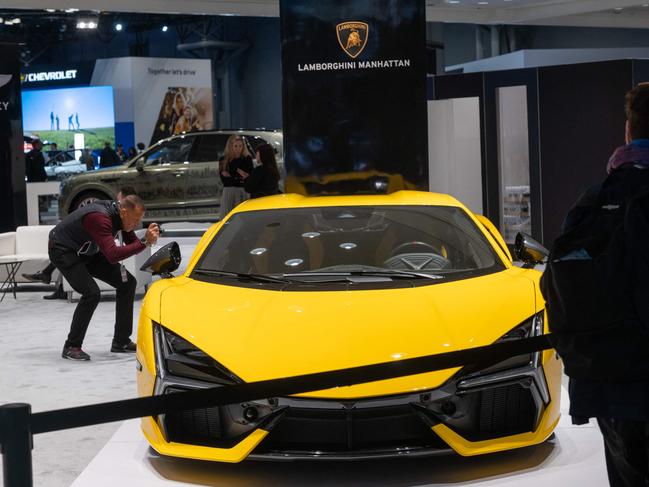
(100, 228)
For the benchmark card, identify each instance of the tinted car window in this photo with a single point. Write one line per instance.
(172, 151)
(208, 147)
(429, 239)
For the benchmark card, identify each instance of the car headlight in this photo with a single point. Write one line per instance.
(184, 359)
(531, 327)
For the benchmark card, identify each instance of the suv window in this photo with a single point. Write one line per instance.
(172, 151)
(208, 147)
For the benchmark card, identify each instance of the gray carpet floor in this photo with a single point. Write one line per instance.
(32, 333)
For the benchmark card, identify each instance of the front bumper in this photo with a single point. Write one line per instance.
(470, 416)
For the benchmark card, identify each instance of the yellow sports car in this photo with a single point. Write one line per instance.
(289, 285)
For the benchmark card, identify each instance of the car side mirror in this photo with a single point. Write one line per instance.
(139, 164)
(529, 250)
(164, 261)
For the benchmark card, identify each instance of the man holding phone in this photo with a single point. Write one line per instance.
(82, 246)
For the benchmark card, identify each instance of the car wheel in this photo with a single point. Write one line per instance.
(87, 198)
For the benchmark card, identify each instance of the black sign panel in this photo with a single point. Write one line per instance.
(13, 209)
(355, 116)
(53, 75)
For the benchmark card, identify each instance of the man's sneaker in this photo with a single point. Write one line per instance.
(74, 353)
(58, 294)
(129, 347)
(38, 277)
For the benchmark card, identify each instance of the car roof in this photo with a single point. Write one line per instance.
(398, 198)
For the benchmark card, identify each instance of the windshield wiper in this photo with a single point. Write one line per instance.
(377, 273)
(242, 275)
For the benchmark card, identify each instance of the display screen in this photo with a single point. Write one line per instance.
(57, 115)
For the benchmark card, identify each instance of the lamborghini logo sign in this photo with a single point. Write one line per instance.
(352, 37)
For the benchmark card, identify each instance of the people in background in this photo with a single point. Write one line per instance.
(140, 147)
(51, 120)
(120, 153)
(58, 123)
(88, 159)
(45, 276)
(132, 152)
(35, 163)
(108, 157)
(236, 156)
(264, 179)
(82, 246)
(76, 118)
(70, 122)
(178, 109)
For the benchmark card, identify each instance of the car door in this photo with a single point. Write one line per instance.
(159, 176)
(204, 183)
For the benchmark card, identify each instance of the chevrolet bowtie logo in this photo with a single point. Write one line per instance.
(352, 37)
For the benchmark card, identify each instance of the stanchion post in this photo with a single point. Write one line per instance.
(16, 438)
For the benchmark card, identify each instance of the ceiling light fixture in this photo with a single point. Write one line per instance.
(86, 23)
(118, 27)
(165, 28)
(71, 10)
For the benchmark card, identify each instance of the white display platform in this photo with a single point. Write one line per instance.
(574, 457)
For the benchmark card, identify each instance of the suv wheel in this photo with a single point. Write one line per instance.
(87, 198)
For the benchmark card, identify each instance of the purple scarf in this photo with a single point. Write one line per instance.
(628, 155)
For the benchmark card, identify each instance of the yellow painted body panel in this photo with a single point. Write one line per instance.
(321, 331)
(261, 334)
(231, 455)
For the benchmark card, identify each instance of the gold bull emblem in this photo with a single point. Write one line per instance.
(352, 37)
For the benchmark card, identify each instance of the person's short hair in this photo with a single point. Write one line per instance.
(127, 191)
(636, 107)
(140, 145)
(120, 145)
(53, 144)
(107, 144)
(131, 202)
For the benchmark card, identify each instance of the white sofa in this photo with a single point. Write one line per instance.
(29, 243)
(132, 265)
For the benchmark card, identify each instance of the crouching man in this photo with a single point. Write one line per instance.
(82, 246)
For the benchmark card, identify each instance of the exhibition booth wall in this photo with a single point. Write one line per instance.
(150, 96)
(12, 164)
(545, 135)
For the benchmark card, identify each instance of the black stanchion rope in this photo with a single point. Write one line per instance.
(151, 406)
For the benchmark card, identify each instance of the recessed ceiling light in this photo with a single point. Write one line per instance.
(483, 3)
(618, 9)
(453, 1)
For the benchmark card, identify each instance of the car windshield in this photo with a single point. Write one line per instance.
(438, 241)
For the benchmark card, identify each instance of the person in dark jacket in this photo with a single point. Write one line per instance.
(264, 179)
(108, 157)
(236, 156)
(622, 407)
(35, 163)
(82, 246)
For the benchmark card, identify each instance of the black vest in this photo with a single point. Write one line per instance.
(71, 235)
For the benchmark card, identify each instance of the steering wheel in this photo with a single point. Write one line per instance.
(416, 261)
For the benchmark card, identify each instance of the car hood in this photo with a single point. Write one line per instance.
(262, 334)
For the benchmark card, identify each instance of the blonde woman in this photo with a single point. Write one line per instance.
(236, 157)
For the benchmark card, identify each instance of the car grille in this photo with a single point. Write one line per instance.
(349, 430)
(497, 411)
(196, 427)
